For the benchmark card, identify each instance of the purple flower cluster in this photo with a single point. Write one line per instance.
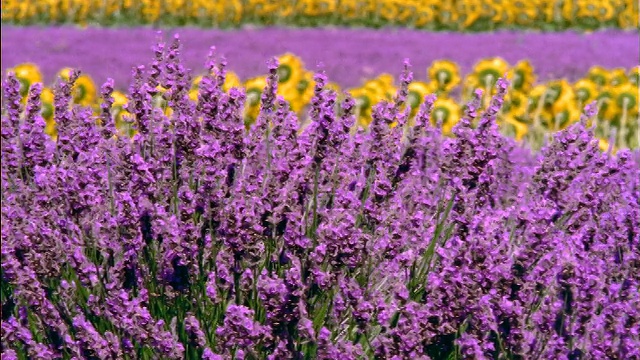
(199, 238)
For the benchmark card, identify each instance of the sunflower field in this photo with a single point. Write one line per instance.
(334, 179)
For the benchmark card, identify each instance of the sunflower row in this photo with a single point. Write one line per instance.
(427, 14)
(531, 108)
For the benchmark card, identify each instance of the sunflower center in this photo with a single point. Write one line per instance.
(284, 73)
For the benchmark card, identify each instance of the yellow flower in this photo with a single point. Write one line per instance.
(606, 104)
(490, 70)
(447, 112)
(445, 74)
(84, 89)
(626, 97)
(516, 104)
(559, 94)
(594, 12)
(563, 116)
(290, 70)
(27, 74)
(598, 75)
(417, 91)
(514, 127)
(232, 80)
(617, 77)
(253, 89)
(522, 76)
(585, 90)
(634, 75)
(47, 112)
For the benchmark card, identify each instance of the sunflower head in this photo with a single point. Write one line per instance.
(563, 117)
(232, 80)
(585, 90)
(84, 89)
(254, 88)
(606, 104)
(514, 127)
(417, 91)
(27, 74)
(634, 75)
(598, 75)
(522, 76)
(488, 71)
(290, 69)
(447, 112)
(626, 97)
(617, 77)
(558, 94)
(445, 74)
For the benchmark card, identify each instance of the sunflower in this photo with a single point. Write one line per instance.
(253, 89)
(585, 90)
(27, 74)
(47, 98)
(447, 112)
(593, 13)
(559, 94)
(290, 70)
(598, 75)
(417, 91)
(364, 98)
(516, 104)
(119, 101)
(626, 98)
(445, 74)
(195, 88)
(84, 89)
(490, 70)
(514, 127)
(470, 10)
(523, 12)
(617, 77)
(563, 116)
(231, 80)
(606, 104)
(634, 75)
(522, 76)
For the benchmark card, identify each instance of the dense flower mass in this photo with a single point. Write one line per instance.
(426, 14)
(198, 237)
(530, 108)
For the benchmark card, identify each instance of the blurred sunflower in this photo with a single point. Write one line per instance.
(84, 89)
(417, 91)
(634, 75)
(488, 71)
(27, 74)
(47, 98)
(445, 74)
(617, 77)
(253, 89)
(290, 70)
(626, 98)
(606, 104)
(598, 75)
(232, 80)
(585, 90)
(562, 116)
(522, 76)
(558, 95)
(447, 112)
(514, 127)
(593, 13)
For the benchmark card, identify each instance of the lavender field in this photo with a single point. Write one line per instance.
(349, 55)
(200, 238)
